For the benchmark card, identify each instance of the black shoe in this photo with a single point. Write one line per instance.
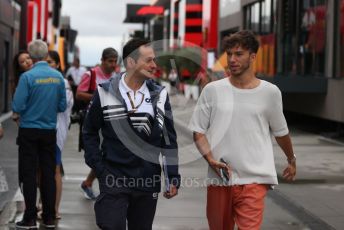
(26, 224)
(49, 224)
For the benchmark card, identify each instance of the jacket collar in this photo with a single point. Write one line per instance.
(113, 87)
(40, 63)
(123, 85)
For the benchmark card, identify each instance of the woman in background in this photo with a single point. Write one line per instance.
(63, 121)
(21, 62)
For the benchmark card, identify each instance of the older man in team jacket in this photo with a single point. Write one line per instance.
(40, 95)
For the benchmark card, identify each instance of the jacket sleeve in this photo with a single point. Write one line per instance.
(62, 106)
(90, 132)
(21, 95)
(169, 145)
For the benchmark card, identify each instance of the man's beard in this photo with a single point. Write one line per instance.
(241, 69)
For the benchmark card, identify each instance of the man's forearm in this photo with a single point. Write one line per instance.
(286, 145)
(203, 145)
(83, 96)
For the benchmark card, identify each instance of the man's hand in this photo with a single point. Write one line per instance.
(285, 143)
(203, 146)
(16, 118)
(290, 172)
(217, 165)
(173, 192)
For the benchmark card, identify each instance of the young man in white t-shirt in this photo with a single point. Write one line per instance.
(232, 124)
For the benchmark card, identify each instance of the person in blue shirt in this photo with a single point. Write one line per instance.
(40, 95)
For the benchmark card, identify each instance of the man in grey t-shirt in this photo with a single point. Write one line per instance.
(232, 124)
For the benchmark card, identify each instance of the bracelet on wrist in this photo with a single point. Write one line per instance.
(292, 159)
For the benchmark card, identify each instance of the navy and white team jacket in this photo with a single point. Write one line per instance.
(128, 151)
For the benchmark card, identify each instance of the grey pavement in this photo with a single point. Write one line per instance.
(314, 201)
(8, 162)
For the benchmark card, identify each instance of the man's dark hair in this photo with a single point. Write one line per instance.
(244, 38)
(131, 48)
(109, 53)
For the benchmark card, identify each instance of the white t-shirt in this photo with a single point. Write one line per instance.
(238, 124)
(63, 118)
(76, 73)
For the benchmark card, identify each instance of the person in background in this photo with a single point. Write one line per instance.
(87, 87)
(1, 131)
(232, 126)
(173, 78)
(75, 72)
(21, 62)
(63, 121)
(40, 95)
(74, 75)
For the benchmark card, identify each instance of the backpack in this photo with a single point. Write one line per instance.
(93, 82)
(83, 107)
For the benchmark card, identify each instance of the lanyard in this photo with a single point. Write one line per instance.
(133, 107)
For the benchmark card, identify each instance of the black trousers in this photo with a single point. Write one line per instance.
(37, 150)
(116, 207)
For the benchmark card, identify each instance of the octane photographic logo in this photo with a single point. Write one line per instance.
(189, 59)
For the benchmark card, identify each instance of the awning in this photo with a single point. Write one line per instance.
(132, 16)
(150, 10)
